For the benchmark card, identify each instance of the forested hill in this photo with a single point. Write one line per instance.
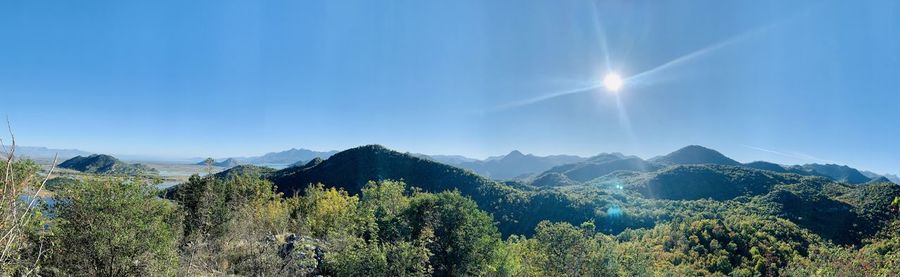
(617, 192)
(353, 168)
(604, 164)
(105, 165)
(695, 154)
(690, 219)
(517, 211)
(841, 173)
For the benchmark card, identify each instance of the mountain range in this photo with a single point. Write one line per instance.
(287, 157)
(566, 168)
(44, 153)
(354, 168)
(290, 156)
(569, 169)
(531, 168)
(604, 187)
(514, 165)
(604, 164)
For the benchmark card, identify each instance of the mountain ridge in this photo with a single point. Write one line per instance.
(227, 163)
(516, 164)
(106, 165)
(518, 207)
(603, 164)
(40, 152)
(352, 169)
(289, 156)
(695, 154)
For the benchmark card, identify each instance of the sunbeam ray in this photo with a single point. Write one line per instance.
(694, 55)
(601, 34)
(642, 77)
(547, 97)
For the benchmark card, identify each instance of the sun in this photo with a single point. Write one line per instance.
(613, 82)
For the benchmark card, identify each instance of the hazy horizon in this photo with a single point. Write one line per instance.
(193, 159)
(792, 83)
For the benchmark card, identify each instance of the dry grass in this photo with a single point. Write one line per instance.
(15, 214)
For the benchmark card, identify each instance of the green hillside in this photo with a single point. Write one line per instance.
(345, 215)
(597, 167)
(623, 193)
(695, 154)
(106, 165)
(352, 169)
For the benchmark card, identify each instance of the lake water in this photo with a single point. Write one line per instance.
(189, 172)
(167, 184)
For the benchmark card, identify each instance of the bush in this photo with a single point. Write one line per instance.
(21, 217)
(114, 228)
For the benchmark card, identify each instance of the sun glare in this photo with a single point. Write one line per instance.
(613, 82)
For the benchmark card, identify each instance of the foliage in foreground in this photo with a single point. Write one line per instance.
(240, 225)
(21, 219)
(389, 231)
(113, 228)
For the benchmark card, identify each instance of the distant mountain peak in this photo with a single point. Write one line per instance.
(448, 159)
(696, 148)
(40, 152)
(375, 147)
(841, 173)
(696, 154)
(314, 162)
(228, 163)
(893, 177)
(370, 148)
(607, 157)
(517, 165)
(879, 179)
(374, 162)
(290, 156)
(514, 154)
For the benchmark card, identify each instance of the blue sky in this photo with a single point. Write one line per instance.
(785, 81)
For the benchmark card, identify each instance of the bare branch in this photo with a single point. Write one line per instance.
(41, 187)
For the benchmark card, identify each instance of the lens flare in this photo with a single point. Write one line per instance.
(613, 82)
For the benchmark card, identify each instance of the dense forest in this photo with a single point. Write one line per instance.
(370, 211)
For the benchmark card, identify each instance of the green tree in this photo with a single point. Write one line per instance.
(895, 205)
(522, 257)
(226, 223)
(209, 164)
(380, 259)
(325, 212)
(386, 252)
(203, 202)
(114, 228)
(465, 240)
(386, 200)
(567, 248)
